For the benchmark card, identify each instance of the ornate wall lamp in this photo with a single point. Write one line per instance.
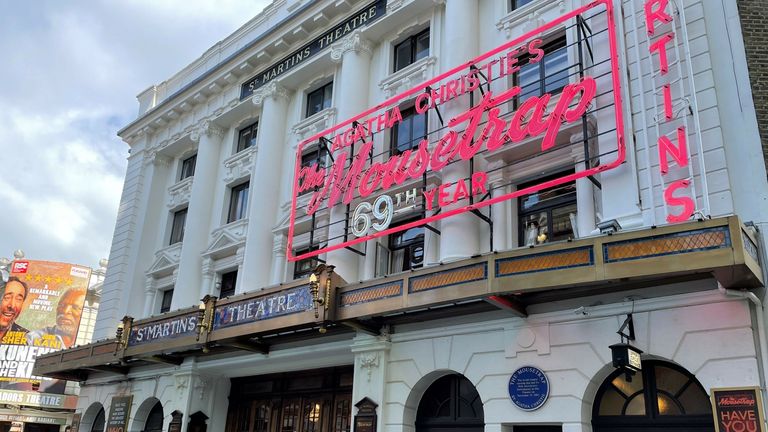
(123, 333)
(314, 290)
(205, 319)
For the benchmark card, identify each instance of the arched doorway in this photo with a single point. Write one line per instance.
(99, 421)
(662, 397)
(451, 403)
(155, 419)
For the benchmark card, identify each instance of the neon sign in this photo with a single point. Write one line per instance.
(366, 182)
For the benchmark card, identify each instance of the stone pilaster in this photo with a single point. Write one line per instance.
(585, 200)
(198, 224)
(371, 360)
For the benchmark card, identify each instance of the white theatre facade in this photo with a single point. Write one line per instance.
(393, 210)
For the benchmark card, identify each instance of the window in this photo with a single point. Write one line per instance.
(408, 133)
(549, 214)
(228, 282)
(516, 4)
(549, 75)
(304, 268)
(319, 99)
(411, 50)
(165, 305)
(155, 419)
(406, 249)
(188, 167)
(177, 229)
(238, 203)
(247, 137)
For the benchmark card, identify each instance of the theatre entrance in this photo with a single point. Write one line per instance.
(450, 404)
(662, 397)
(318, 400)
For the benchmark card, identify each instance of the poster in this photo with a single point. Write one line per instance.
(737, 409)
(40, 311)
(119, 412)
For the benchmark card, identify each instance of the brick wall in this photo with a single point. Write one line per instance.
(754, 26)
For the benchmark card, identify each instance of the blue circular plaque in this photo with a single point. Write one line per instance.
(528, 388)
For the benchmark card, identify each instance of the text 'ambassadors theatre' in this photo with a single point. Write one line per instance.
(435, 214)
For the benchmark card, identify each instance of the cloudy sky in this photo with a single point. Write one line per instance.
(68, 80)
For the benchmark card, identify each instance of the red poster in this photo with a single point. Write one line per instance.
(738, 409)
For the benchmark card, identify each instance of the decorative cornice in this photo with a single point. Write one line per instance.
(353, 42)
(272, 89)
(207, 128)
(279, 244)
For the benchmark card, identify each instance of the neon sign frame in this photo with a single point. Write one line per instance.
(520, 41)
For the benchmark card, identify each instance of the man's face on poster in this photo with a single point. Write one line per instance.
(12, 302)
(69, 310)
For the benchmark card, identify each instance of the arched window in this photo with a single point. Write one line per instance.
(662, 396)
(98, 422)
(451, 402)
(155, 419)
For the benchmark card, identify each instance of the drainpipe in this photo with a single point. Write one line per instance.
(752, 298)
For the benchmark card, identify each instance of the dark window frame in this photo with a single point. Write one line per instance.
(165, 302)
(238, 202)
(178, 224)
(410, 116)
(517, 4)
(227, 288)
(551, 49)
(409, 247)
(548, 205)
(304, 268)
(188, 166)
(411, 43)
(326, 100)
(246, 137)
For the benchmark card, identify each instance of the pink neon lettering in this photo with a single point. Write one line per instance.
(685, 201)
(679, 153)
(413, 163)
(429, 198)
(658, 14)
(661, 46)
(479, 180)
(668, 102)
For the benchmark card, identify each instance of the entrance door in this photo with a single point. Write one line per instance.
(662, 397)
(450, 404)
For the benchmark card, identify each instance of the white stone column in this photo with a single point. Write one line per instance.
(149, 295)
(207, 270)
(371, 360)
(585, 201)
(265, 184)
(460, 233)
(198, 223)
(279, 245)
(351, 98)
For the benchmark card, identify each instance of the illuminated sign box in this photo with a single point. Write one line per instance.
(477, 111)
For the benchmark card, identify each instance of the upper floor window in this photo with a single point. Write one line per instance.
(319, 99)
(247, 137)
(549, 75)
(165, 304)
(406, 250)
(305, 267)
(177, 228)
(516, 4)
(228, 282)
(411, 50)
(408, 133)
(238, 202)
(549, 214)
(188, 167)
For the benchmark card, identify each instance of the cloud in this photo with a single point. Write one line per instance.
(70, 74)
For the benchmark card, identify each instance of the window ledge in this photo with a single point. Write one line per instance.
(313, 124)
(239, 165)
(408, 76)
(530, 17)
(226, 239)
(179, 193)
(166, 261)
